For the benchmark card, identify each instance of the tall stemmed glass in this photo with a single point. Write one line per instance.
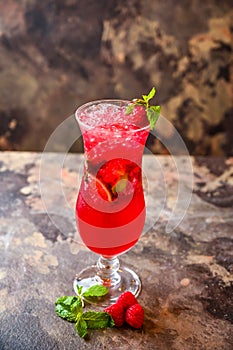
(110, 208)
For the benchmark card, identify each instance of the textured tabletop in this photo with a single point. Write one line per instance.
(187, 274)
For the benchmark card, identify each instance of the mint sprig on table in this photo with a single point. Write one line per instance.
(70, 308)
(152, 112)
(94, 291)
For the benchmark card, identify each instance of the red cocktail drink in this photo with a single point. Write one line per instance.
(110, 208)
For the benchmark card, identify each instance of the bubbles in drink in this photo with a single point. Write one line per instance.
(102, 114)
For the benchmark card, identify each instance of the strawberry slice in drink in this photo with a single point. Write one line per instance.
(95, 184)
(119, 175)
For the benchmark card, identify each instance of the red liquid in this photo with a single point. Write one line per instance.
(110, 208)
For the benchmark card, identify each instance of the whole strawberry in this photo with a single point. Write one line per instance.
(126, 299)
(117, 313)
(134, 316)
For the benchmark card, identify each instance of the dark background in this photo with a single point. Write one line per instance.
(55, 55)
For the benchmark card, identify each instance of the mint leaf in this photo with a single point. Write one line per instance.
(151, 94)
(152, 112)
(129, 108)
(98, 319)
(68, 307)
(156, 108)
(81, 326)
(95, 291)
(79, 289)
(152, 116)
(79, 293)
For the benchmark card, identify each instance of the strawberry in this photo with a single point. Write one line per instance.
(127, 299)
(114, 170)
(134, 316)
(117, 313)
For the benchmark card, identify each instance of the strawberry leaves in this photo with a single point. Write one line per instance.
(152, 112)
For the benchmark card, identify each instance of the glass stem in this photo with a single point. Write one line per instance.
(107, 271)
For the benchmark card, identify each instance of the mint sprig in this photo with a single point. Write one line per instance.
(94, 291)
(95, 319)
(81, 326)
(70, 308)
(152, 112)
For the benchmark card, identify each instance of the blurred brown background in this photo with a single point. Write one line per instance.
(57, 54)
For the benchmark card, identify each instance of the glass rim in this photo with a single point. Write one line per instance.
(88, 127)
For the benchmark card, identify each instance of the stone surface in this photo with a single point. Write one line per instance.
(57, 54)
(187, 275)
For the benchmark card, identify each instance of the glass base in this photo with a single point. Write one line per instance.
(125, 280)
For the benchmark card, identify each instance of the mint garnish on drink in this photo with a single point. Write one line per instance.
(152, 112)
(70, 308)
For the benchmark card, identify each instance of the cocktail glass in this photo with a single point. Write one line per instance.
(110, 208)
